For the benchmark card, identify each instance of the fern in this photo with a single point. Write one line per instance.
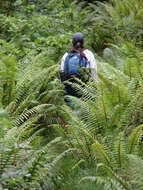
(120, 151)
(100, 153)
(135, 139)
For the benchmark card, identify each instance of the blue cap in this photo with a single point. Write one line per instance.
(77, 37)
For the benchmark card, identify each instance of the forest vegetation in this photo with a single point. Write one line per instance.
(46, 145)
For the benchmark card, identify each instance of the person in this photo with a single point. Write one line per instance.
(79, 63)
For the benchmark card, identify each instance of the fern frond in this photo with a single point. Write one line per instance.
(119, 179)
(105, 183)
(63, 155)
(101, 154)
(29, 113)
(120, 150)
(135, 139)
(136, 171)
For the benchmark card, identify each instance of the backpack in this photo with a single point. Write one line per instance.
(74, 65)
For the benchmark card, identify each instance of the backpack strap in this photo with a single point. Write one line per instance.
(82, 55)
(80, 61)
(67, 64)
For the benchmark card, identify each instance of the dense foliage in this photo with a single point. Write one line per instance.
(96, 144)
